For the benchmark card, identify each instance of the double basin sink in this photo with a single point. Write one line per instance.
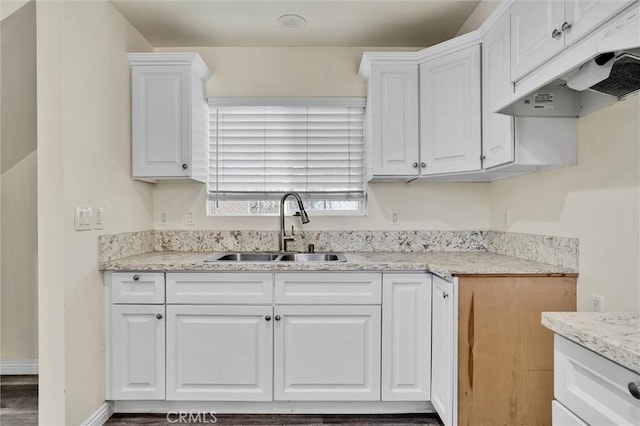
(277, 257)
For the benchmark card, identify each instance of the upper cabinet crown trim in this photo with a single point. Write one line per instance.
(416, 58)
(178, 58)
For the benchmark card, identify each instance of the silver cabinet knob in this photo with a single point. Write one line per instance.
(184, 166)
(278, 318)
(565, 26)
(634, 389)
(445, 295)
(159, 316)
(136, 277)
(556, 33)
(423, 165)
(267, 318)
(415, 165)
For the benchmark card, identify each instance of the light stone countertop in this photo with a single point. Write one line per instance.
(615, 336)
(445, 264)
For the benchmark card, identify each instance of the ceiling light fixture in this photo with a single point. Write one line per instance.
(292, 22)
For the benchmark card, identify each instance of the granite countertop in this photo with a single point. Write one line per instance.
(613, 335)
(445, 264)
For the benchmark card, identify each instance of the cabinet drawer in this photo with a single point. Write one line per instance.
(324, 288)
(593, 387)
(137, 287)
(219, 288)
(560, 416)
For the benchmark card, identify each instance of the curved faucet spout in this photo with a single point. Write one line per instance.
(304, 218)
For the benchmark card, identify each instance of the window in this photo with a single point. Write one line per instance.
(260, 148)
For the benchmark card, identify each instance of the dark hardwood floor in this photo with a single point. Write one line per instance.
(19, 407)
(282, 419)
(18, 400)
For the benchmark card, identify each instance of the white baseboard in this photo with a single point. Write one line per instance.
(100, 416)
(18, 367)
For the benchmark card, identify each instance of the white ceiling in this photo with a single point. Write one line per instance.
(383, 23)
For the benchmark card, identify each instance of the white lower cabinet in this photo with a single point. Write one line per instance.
(406, 337)
(137, 352)
(444, 350)
(221, 353)
(313, 336)
(561, 416)
(592, 387)
(327, 353)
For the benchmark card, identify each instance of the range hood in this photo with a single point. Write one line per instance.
(596, 72)
(614, 74)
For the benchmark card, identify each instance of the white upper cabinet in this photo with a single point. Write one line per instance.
(517, 145)
(542, 28)
(535, 34)
(169, 116)
(393, 120)
(584, 15)
(450, 121)
(497, 129)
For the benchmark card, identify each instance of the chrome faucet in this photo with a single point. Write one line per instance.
(304, 218)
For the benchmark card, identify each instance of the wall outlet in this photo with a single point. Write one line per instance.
(164, 217)
(596, 303)
(188, 219)
(98, 218)
(395, 217)
(82, 218)
(506, 218)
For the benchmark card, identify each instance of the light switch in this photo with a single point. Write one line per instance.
(82, 219)
(98, 218)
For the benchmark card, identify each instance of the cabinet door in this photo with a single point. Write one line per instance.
(137, 352)
(532, 42)
(585, 15)
(161, 120)
(406, 337)
(219, 353)
(444, 359)
(497, 129)
(327, 353)
(393, 120)
(450, 114)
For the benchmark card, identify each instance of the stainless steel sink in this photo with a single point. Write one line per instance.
(276, 257)
(244, 257)
(313, 257)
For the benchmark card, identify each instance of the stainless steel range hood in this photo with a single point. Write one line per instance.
(598, 71)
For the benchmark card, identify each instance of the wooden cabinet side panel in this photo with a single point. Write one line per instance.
(505, 355)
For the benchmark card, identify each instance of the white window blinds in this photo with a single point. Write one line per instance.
(314, 147)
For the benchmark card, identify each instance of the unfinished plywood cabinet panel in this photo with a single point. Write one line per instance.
(505, 356)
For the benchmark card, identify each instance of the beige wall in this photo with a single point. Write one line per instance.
(84, 157)
(18, 263)
(324, 71)
(596, 201)
(478, 16)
